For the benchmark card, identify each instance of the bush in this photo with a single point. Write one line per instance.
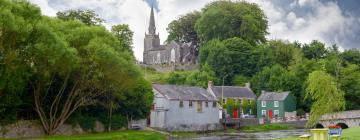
(86, 122)
(118, 122)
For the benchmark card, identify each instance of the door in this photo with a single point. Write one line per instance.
(270, 114)
(235, 113)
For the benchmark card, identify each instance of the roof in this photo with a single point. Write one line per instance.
(233, 91)
(175, 92)
(272, 96)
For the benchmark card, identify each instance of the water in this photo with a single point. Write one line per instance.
(247, 136)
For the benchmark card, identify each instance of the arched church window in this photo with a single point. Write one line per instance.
(172, 55)
(158, 58)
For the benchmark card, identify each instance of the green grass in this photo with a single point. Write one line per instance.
(116, 135)
(347, 134)
(351, 133)
(154, 76)
(265, 127)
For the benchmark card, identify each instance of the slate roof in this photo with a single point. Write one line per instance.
(176, 92)
(233, 91)
(273, 96)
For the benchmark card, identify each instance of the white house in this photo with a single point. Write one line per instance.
(184, 108)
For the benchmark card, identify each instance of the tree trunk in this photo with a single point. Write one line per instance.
(110, 115)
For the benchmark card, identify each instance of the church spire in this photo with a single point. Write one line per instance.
(152, 27)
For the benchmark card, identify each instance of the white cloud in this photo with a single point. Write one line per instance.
(323, 21)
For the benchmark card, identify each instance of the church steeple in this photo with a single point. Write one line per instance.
(152, 28)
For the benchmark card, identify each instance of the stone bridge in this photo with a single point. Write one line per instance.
(344, 119)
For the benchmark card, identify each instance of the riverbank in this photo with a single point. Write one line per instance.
(347, 134)
(126, 135)
(243, 131)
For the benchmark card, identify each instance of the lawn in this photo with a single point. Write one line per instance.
(116, 135)
(266, 127)
(347, 134)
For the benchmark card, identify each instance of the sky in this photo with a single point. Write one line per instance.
(330, 21)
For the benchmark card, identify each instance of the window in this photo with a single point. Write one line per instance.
(206, 104)
(214, 104)
(276, 103)
(263, 112)
(199, 106)
(181, 104)
(276, 113)
(263, 103)
(190, 103)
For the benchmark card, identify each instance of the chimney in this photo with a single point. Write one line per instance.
(210, 84)
(247, 85)
(262, 91)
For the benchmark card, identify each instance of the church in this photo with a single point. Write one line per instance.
(173, 54)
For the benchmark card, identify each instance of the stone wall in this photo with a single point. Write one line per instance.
(172, 67)
(33, 128)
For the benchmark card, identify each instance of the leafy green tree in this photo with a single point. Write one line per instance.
(233, 19)
(240, 80)
(275, 78)
(136, 102)
(17, 19)
(328, 98)
(284, 53)
(231, 57)
(123, 33)
(350, 81)
(199, 78)
(314, 50)
(183, 28)
(88, 17)
(351, 56)
(217, 57)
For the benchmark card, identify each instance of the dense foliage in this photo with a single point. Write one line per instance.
(233, 48)
(52, 68)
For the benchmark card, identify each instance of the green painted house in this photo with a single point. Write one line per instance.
(275, 104)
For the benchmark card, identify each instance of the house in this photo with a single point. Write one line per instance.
(275, 104)
(237, 93)
(183, 108)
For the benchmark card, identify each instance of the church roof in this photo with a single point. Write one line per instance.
(176, 92)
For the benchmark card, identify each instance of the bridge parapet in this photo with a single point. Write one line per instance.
(342, 115)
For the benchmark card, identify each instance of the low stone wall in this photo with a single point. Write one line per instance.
(171, 67)
(33, 128)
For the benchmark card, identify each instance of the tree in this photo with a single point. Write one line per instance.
(17, 19)
(123, 33)
(136, 102)
(314, 50)
(275, 78)
(230, 57)
(351, 56)
(350, 81)
(88, 17)
(233, 19)
(284, 53)
(328, 98)
(183, 29)
(72, 72)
